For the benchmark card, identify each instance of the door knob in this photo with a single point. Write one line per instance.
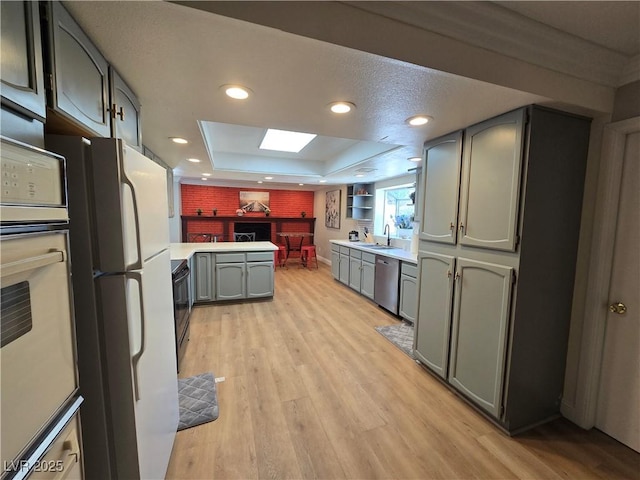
(618, 307)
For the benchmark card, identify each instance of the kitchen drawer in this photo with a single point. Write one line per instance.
(64, 457)
(344, 250)
(368, 257)
(356, 253)
(409, 269)
(231, 257)
(259, 256)
(335, 248)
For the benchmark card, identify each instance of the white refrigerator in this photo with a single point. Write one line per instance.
(121, 269)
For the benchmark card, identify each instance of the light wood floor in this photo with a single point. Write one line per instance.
(313, 391)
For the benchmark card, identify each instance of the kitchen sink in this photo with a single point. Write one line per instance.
(381, 247)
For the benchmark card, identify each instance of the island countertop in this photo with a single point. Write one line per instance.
(183, 251)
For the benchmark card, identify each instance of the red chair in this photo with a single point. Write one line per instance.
(306, 252)
(280, 256)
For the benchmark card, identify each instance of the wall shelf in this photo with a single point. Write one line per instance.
(223, 225)
(360, 201)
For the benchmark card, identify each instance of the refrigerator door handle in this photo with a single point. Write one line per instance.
(135, 358)
(126, 180)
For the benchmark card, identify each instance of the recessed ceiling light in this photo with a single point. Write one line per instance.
(259, 181)
(301, 184)
(414, 159)
(194, 160)
(206, 174)
(322, 181)
(360, 175)
(205, 178)
(268, 178)
(237, 92)
(341, 107)
(418, 120)
(285, 141)
(179, 140)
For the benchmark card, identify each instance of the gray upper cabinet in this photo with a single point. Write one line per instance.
(80, 74)
(479, 332)
(125, 112)
(441, 184)
(490, 189)
(21, 66)
(433, 323)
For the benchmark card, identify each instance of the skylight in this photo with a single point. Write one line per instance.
(285, 141)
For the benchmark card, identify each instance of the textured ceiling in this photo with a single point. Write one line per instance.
(176, 58)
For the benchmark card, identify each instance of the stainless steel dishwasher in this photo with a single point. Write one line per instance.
(385, 292)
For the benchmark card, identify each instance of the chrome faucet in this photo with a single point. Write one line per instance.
(387, 232)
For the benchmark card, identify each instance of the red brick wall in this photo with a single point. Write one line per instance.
(283, 203)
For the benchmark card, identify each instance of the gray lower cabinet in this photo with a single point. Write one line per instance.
(482, 298)
(259, 279)
(21, 67)
(433, 323)
(355, 269)
(344, 265)
(335, 261)
(235, 275)
(408, 306)
(204, 279)
(192, 281)
(367, 282)
(230, 281)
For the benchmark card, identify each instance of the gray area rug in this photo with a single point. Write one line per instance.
(198, 400)
(400, 335)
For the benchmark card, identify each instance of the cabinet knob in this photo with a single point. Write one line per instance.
(461, 227)
(452, 227)
(449, 273)
(618, 307)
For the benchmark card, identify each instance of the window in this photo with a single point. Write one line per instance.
(395, 207)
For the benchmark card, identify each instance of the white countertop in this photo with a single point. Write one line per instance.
(182, 251)
(397, 253)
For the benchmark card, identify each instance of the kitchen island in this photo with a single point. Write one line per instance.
(228, 270)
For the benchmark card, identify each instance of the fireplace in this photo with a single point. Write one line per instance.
(262, 229)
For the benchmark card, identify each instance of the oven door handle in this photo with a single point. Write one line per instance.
(181, 277)
(31, 263)
(135, 358)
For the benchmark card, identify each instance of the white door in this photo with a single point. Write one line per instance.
(618, 412)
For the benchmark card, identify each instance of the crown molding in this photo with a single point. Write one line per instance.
(500, 30)
(631, 72)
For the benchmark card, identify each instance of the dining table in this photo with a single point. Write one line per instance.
(293, 242)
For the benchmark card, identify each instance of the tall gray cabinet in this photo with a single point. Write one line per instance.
(501, 209)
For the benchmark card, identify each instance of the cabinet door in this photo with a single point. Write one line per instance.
(125, 112)
(440, 188)
(367, 282)
(479, 331)
(408, 298)
(355, 273)
(259, 279)
(344, 268)
(203, 278)
(192, 281)
(433, 319)
(21, 60)
(230, 283)
(335, 264)
(81, 75)
(491, 182)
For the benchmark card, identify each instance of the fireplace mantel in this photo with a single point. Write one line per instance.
(223, 225)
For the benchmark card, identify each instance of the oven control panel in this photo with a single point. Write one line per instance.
(32, 187)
